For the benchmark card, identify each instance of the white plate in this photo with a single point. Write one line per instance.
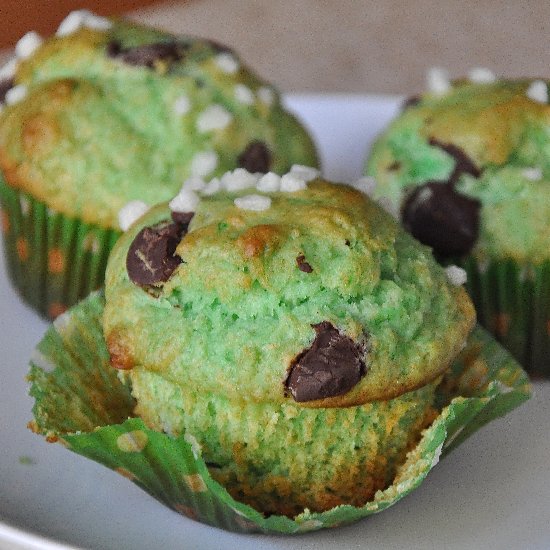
(492, 492)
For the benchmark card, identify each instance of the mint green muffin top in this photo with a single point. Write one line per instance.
(468, 169)
(310, 294)
(106, 112)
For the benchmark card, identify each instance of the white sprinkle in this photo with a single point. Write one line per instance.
(307, 173)
(290, 183)
(266, 95)
(538, 91)
(389, 207)
(366, 185)
(204, 163)
(130, 212)
(214, 117)
(39, 360)
(481, 75)
(8, 70)
(212, 187)
(239, 179)
(97, 22)
(25, 205)
(195, 445)
(227, 63)
(182, 105)
(483, 266)
(63, 322)
(15, 94)
(243, 94)
(456, 275)
(185, 201)
(438, 81)
(502, 388)
(82, 18)
(28, 44)
(423, 196)
(194, 183)
(437, 455)
(533, 174)
(71, 23)
(253, 202)
(269, 183)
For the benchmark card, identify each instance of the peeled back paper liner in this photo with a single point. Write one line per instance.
(53, 260)
(80, 402)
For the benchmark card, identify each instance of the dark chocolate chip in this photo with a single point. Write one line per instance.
(412, 101)
(183, 218)
(440, 217)
(331, 366)
(151, 258)
(5, 86)
(463, 163)
(148, 54)
(303, 265)
(395, 165)
(255, 158)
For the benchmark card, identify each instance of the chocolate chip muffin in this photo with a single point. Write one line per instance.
(466, 169)
(107, 112)
(298, 334)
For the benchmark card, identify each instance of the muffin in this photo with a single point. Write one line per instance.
(107, 112)
(297, 334)
(466, 168)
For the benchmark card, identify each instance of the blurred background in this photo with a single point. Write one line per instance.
(356, 46)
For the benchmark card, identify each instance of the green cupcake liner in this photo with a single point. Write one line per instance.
(81, 403)
(53, 260)
(513, 303)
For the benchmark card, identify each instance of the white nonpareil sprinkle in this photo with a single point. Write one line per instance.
(182, 105)
(290, 183)
(307, 173)
(538, 91)
(9, 69)
(227, 63)
(25, 205)
(366, 185)
(15, 94)
(214, 117)
(243, 94)
(212, 187)
(456, 275)
(253, 202)
(130, 212)
(438, 81)
(266, 95)
(481, 75)
(28, 44)
(533, 174)
(239, 179)
(185, 201)
(194, 183)
(269, 183)
(204, 163)
(82, 18)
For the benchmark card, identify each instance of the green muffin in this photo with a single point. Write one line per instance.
(297, 334)
(107, 112)
(466, 168)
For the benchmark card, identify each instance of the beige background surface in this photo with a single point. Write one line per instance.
(366, 46)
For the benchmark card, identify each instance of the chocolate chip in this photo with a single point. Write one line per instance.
(303, 265)
(440, 217)
(151, 257)
(412, 101)
(146, 55)
(331, 366)
(255, 158)
(394, 166)
(5, 87)
(183, 218)
(463, 163)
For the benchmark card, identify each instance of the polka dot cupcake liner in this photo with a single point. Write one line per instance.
(52, 260)
(81, 403)
(513, 303)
